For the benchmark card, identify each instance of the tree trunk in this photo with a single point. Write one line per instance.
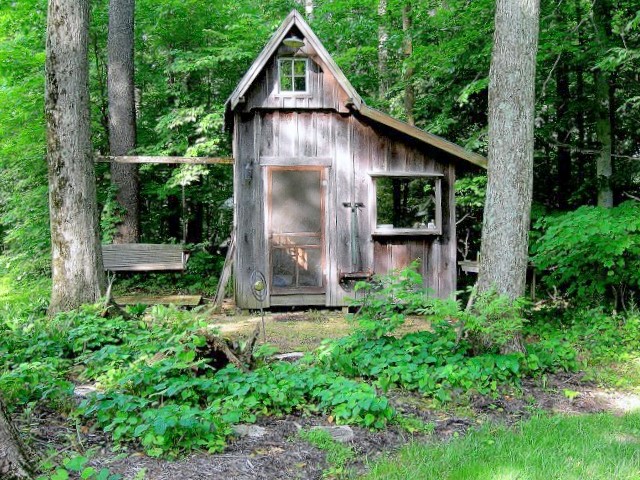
(580, 157)
(77, 272)
(383, 53)
(604, 166)
(13, 455)
(563, 121)
(308, 9)
(122, 117)
(409, 94)
(505, 232)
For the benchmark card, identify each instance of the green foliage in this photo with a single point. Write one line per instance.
(446, 360)
(338, 455)
(157, 388)
(76, 467)
(591, 254)
(111, 215)
(387, 300)
(597, 336)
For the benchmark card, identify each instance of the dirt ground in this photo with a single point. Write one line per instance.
(298, 331)
(281, 454)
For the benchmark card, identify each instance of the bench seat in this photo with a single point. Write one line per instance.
(144, 257)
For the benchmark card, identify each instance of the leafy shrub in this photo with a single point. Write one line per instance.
(591, 254)
(445, 360)
(387, 300)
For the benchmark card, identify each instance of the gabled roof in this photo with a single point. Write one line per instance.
(355, 103)
(293, 19)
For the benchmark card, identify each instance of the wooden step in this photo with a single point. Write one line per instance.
(178, 300)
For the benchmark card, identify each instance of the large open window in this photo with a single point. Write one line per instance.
(407, 204)
(292, 73)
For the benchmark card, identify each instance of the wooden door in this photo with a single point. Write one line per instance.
(296, 229)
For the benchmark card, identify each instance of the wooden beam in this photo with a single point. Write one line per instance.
(167, 160)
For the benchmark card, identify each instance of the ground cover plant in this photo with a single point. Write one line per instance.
(598, 447)
(449, 360)
(157, 390)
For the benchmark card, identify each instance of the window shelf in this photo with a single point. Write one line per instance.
(406, 232)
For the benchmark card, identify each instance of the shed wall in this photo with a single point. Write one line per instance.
(349, 149)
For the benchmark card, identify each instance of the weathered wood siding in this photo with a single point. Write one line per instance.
(350, 151)
(317, 129)
(324, 92)
(249, 195)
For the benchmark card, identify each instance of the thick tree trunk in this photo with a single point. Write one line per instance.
(77, 271)
(13, 455)
(383, 53)
(409, 94)
(122, 117)
(505, 232)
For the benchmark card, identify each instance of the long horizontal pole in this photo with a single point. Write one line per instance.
(169, 160)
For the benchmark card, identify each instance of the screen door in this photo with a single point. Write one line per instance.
(296, 229)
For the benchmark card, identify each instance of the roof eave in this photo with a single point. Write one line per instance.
(421, 135)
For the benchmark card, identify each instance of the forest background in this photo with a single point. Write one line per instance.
(426, 62)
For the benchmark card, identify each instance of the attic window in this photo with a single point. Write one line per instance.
(408, 205)
(293, 74)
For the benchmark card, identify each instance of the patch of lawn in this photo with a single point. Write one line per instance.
(20, 300)
(592, 447)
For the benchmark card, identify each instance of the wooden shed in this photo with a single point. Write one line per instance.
(328, 190)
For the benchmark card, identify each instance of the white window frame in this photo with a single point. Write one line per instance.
(294, 76)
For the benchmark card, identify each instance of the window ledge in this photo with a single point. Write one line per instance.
(407, 232)
(293, 95)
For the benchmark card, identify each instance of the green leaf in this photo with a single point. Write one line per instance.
(75, 464)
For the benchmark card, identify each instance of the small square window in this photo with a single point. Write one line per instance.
(293, 74)
(407, 205)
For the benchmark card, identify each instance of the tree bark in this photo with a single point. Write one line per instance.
(505, 232)
(308, 9)
(77, 272)
(409, 94)
(122, 117)
(13, 454)
(604, 165)
(563, 157)
(383, 53)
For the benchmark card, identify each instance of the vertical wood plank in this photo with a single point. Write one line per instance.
(400, 256)
(343, 189)
(382, 257)
(266, 139)
(248, 187)
(448, 260)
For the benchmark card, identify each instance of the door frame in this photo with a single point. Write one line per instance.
(323, 247)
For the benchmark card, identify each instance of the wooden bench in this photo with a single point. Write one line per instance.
(144, 257)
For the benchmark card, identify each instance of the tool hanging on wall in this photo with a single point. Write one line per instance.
(355, 237)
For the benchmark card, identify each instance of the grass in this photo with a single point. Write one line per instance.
(594, 447)
(337, 454)
(19, 300)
